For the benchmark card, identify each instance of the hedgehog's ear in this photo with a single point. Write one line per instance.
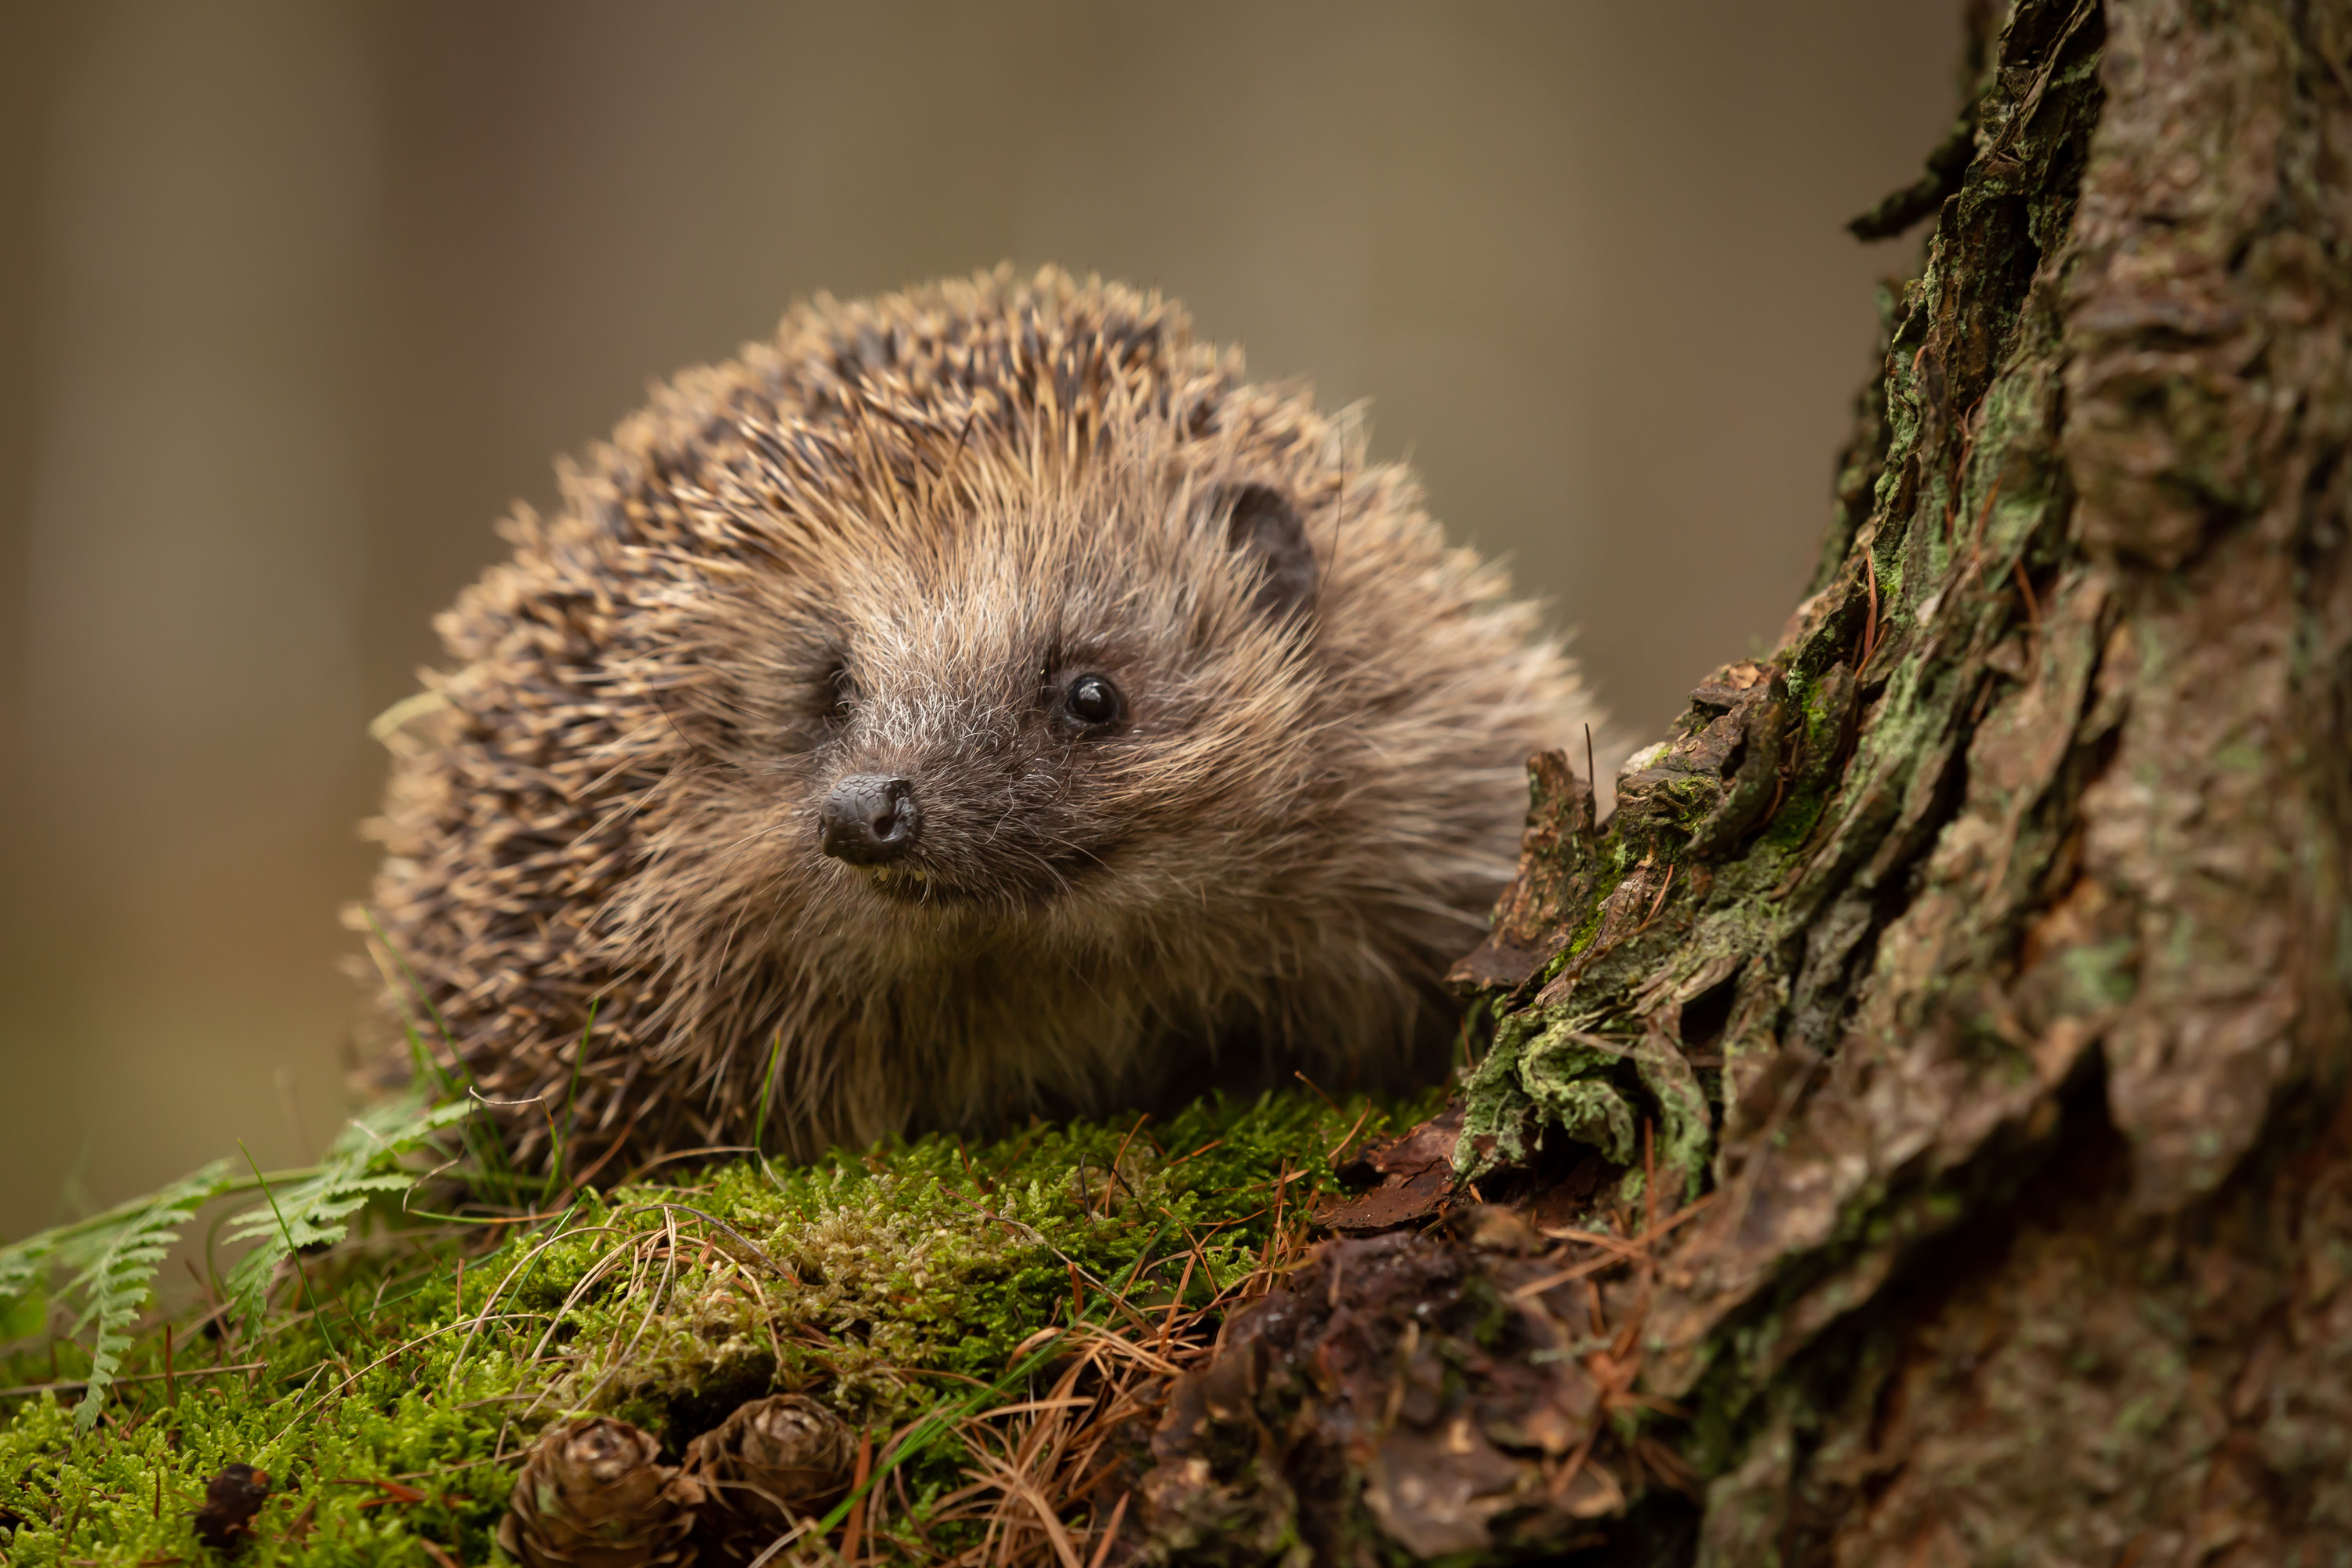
(1261, 524)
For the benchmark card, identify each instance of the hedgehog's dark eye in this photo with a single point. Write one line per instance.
(1091, 699)
(835, 693)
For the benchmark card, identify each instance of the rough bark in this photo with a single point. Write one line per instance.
(1974, 975)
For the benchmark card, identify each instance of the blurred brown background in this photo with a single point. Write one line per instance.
(296, 297)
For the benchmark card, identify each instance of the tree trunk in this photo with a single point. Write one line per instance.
(1974, 975)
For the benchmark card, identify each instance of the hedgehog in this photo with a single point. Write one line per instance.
(977, 702)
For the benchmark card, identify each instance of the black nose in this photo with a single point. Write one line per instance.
(868, 819)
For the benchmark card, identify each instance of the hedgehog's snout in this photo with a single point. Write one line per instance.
(870, 819)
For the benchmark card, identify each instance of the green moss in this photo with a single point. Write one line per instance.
(2103, 974)
(886, 1282)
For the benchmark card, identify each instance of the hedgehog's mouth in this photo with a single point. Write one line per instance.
(912, 884)
(913, 887)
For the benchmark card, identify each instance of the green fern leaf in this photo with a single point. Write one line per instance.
(24, 1276)
(117, 1287)
(317, 1211)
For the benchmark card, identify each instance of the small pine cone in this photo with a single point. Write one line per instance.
(771, 1463)
(594, 1494)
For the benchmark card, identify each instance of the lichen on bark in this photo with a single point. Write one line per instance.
(1972, 972)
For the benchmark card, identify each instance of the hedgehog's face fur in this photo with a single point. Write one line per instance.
(1043, 710)
(980, 699)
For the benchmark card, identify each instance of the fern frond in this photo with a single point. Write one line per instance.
(117, 1287)
(115, 1255)
(317, 1211)
(24, 1271)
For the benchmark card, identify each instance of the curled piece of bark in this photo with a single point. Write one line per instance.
(771, 1463)
(1415, 1173)
(1898, 210)
(1556, 866)
(1760, 719)
(594, 1494)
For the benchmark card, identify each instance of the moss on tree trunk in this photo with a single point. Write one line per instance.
(1975, 967)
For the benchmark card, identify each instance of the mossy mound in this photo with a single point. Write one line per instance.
(394, 1381)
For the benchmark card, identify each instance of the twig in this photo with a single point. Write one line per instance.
(25, 1390)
